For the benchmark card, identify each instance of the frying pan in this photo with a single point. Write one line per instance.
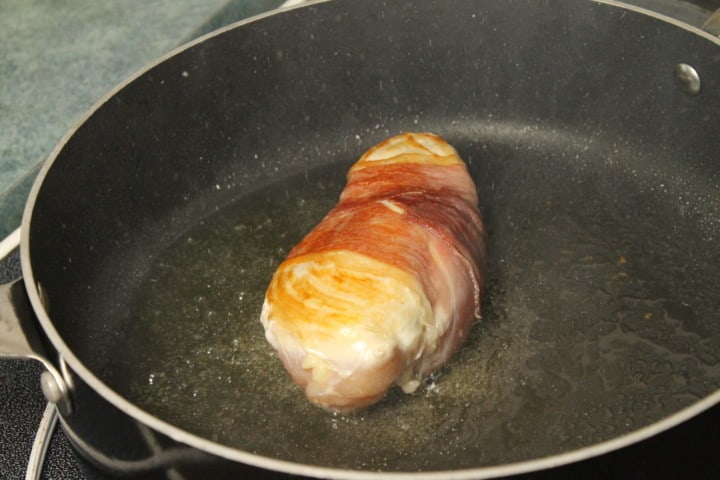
(590, 129)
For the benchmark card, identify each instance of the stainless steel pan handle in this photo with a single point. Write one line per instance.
(19, 338)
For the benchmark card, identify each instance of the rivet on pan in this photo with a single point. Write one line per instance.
(687, 79)
(55, 392)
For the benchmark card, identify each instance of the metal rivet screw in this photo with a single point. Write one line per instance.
(687, 79)
(50, 388)
(54, 393)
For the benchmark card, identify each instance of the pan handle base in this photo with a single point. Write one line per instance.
(19, 339)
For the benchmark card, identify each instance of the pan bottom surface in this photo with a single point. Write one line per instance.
(601, 316)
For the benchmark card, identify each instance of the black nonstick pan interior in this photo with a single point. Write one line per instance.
(589, 330)
(160, 223)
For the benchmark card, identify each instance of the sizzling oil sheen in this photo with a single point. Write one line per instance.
(591, 327)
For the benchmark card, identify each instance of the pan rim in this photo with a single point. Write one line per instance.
(660, 16)
(237, 455)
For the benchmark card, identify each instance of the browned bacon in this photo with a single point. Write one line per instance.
(385, 288)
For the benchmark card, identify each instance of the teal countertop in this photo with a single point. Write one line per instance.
(58, 58)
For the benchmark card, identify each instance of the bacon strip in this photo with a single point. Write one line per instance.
(385, 288)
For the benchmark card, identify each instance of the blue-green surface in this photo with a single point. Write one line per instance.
(58, 58)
